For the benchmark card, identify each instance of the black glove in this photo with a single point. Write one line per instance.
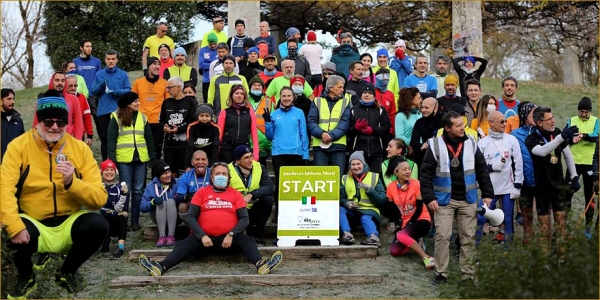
(266, 116)
(574, 185)
(157, 201)
(568, 133)
(145, 72)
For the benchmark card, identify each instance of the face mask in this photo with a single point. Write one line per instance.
(272, 73)
(346, 46)
(256, 93)
(382, 85)
(292, 53)
(491, 108)
(363, 102)
(298, 89)
(220, 181)
(72, 72)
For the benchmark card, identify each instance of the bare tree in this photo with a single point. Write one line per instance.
(20, 40)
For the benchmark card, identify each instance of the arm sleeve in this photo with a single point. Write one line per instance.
(79, 128)
(150, 142)
(146, 205)
(266, 185)
(194, 77)
(191, 220)
(457, 68)
(418, 211)
(126, 86)
(304, 139)
(426, 175)
(518, 160)
(254, 136)
(399, 130)
(483, 177)
(111, 138)
(10, 167)
(384, 125)
(313, 118)
(482, 67)
(166, 74)
(548, 147)
(377, 194)
(243, 220)
(97, 86)
(569, 162)
(216, 142)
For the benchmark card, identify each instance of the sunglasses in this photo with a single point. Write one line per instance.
(49, 123)
(73, 85)
(501, 121)
(164, 31)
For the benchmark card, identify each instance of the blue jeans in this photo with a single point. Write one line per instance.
(134, 175)
(365, 220)
(507, 207)
(330, 158)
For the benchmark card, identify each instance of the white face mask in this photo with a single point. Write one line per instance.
(491, 108)
(366, 74)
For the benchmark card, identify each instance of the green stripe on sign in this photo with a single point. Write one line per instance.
(309, 232)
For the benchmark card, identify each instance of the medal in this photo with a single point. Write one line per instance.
(60, 158)
(553, 159)
(454, 162)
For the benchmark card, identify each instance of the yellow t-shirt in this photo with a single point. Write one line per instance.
(153, 42)
(221, 38)
(485, 126)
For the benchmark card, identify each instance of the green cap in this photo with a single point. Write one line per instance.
(212, 38)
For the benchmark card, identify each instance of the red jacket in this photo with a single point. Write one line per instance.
(387, 101)
(87, 115)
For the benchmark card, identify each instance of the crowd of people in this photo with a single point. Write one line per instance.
(409, 147)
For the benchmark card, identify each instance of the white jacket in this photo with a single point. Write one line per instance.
(493, 149)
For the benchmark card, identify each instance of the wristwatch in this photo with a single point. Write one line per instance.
(231, 233)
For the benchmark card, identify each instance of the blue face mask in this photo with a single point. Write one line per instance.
(298, 89)
(256, 93)
(272, 73)
(220, 181)
(72, 72)
(363, 102)
(382, 85)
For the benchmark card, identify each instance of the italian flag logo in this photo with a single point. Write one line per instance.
(307, 199)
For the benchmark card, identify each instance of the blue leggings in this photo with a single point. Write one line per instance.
(366, 221)
(507, 207)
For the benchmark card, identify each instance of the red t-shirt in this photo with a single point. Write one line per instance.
(218, 211)
(407, 200)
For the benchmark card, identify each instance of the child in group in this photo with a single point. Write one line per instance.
(115, 209)
(405, 192)
(203, 135)
(159, 200)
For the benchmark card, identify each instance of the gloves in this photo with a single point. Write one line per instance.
(400, 54)
(568, 133)
(364, 186)
(498, 166)
(515, 193)
(367, 130)
(119, 207)
(267, 116)
(124, 188)
(360, 124)
(574, 185)
(157, 201)
(145, 72)
(123, 213)
(596, 186)
(351, 205)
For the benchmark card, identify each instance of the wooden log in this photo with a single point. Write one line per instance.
(289, 253)
(266, 280)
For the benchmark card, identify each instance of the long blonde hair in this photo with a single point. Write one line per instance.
(482, 113)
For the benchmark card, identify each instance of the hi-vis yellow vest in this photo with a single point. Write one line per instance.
(328, 120)
(237, 182)
(130, 138)
(365, 203)
(185, 72)
(583, 152)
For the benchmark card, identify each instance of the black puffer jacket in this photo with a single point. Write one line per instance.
(379, 120)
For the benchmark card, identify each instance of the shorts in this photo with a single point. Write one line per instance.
(55, 239)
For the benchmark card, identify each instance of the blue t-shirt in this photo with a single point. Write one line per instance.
(424, 84)
(188, 184)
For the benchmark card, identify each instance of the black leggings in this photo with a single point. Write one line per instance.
(409, 234)
(175, 158)
(117, 226)
(88, 233)
(102, 128)
(157, 135)
(259, 214)
(192, 245)
(205, 86)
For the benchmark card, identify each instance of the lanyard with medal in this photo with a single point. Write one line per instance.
(203, 180)
(455, 162)
(553, 158)
(60, 158)
(163, 191)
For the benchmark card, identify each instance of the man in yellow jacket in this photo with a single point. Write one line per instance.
(48, 177)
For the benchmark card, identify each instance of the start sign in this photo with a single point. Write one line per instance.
(309, 204)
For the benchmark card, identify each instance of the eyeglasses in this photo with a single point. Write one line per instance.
(549, 119)
(164, 31)
(49, 123)
(172, 86)
(501, 121)
(73, 85)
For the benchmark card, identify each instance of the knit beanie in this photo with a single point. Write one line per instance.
(399, 43)
(297, 78)
(152, 60)
(357, 155)
(253, 49)
(382, 71)
(212, 38)
(127, 99)
(311, 36)
(179, 50)
(165, 46)
(160, 168)
(235, 88)
(585, 104)
(457, 107)
(204, 109)
(451, 79)
(238, 21)
(52, 107)
(330, 67)
(524, 110)
(469, 58)
(249, 43)
(368, 88)
(291, 32)
(229, 57)
(241, 151)
(382, 52)
(254, 80)
(107, 164)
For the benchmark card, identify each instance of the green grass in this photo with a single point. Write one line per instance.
(403, 277)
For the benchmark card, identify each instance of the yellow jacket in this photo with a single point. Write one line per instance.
(43, 195)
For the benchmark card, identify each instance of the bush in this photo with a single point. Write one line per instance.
(529, 271)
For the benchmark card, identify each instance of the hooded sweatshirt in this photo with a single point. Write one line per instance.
(343, 59)
(115, 80)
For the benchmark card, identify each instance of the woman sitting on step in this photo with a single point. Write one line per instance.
(217, 217)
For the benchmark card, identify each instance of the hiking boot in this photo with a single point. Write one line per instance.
(42, 260)
(499, 239)
(105, 245)
(429, 263)
(519, 219)
(68, 282)
(439, 279)
(372, 240)
(152, 266)
(22, 288)
(588, 233)
(135, 226)
(347, 239)
(265, 266)
(162, 241)
(170, 241)
(118, 252)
